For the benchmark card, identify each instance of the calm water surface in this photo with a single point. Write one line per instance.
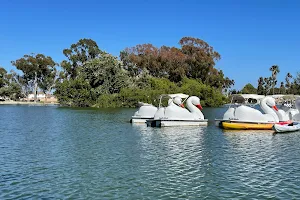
(61, 153)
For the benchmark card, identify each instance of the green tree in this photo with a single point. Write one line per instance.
(296, 84)
(3, 74)
(194, 59)
(26, 86)
(273, 79)
(48, 82)
(8, 87)
(249, 89)
(75, 92)
(267, 85)
(79, 53)
(105, 74)
(260, 86)
(288, 84)
(201, 57)
(282, 89)
(35, 67)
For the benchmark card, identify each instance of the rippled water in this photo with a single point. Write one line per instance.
(60, 153)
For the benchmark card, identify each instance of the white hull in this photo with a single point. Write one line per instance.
(139, 120)
(286, 128)
(168, 123)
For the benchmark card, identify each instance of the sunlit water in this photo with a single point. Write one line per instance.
(61, 153)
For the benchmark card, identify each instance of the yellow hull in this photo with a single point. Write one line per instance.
(246, 126)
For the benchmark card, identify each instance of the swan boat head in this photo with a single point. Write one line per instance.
(271, 102)
(178, 101)
(196, 101)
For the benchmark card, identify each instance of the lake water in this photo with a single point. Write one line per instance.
(63, 153)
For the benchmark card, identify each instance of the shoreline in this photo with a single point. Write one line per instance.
(25, 103)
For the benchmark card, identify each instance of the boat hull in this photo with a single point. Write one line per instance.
(285, 128)
(168, 123)
(139, 120)
(246, 126)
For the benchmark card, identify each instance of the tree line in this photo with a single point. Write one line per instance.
(270, 86)
(89, 76)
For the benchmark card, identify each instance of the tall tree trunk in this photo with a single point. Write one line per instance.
(45, 98)
(35, 87)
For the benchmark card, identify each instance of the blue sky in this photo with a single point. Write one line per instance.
(250, 35)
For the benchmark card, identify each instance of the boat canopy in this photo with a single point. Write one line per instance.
(144, 104)
(171, 96)
(251, 96)
(183, 96)
(250, 99)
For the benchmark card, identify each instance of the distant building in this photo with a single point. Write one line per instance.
(42, 97)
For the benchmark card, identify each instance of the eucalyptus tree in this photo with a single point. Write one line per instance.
(79, 53)
(275, 70)
(48, 82)
(201, 57)
(35, 68)
(194, 59)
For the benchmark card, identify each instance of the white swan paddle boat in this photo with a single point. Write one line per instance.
(146, 111)
(287, 104)
(176, 115)
(247, 117)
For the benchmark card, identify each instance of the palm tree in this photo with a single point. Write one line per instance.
(275, 70)
(287, 80)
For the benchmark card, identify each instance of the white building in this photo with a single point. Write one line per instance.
(40, 95)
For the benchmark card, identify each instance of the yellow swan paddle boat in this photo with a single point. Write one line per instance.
(245, 116)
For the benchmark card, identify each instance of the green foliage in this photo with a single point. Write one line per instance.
(209, 96)
(249, 89)
(282, 89)
(3, 74)
(273, 79)
(144, 72)
(48, 81)
(11, 91)
(288, 84)
(260, 87)
(108, 101)
(264, 85)
(8, 87)
(129, 97)
(75, 92)
(36, 68)
(163, 84)
(195, 59)
(105, 74)
(79, 53)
